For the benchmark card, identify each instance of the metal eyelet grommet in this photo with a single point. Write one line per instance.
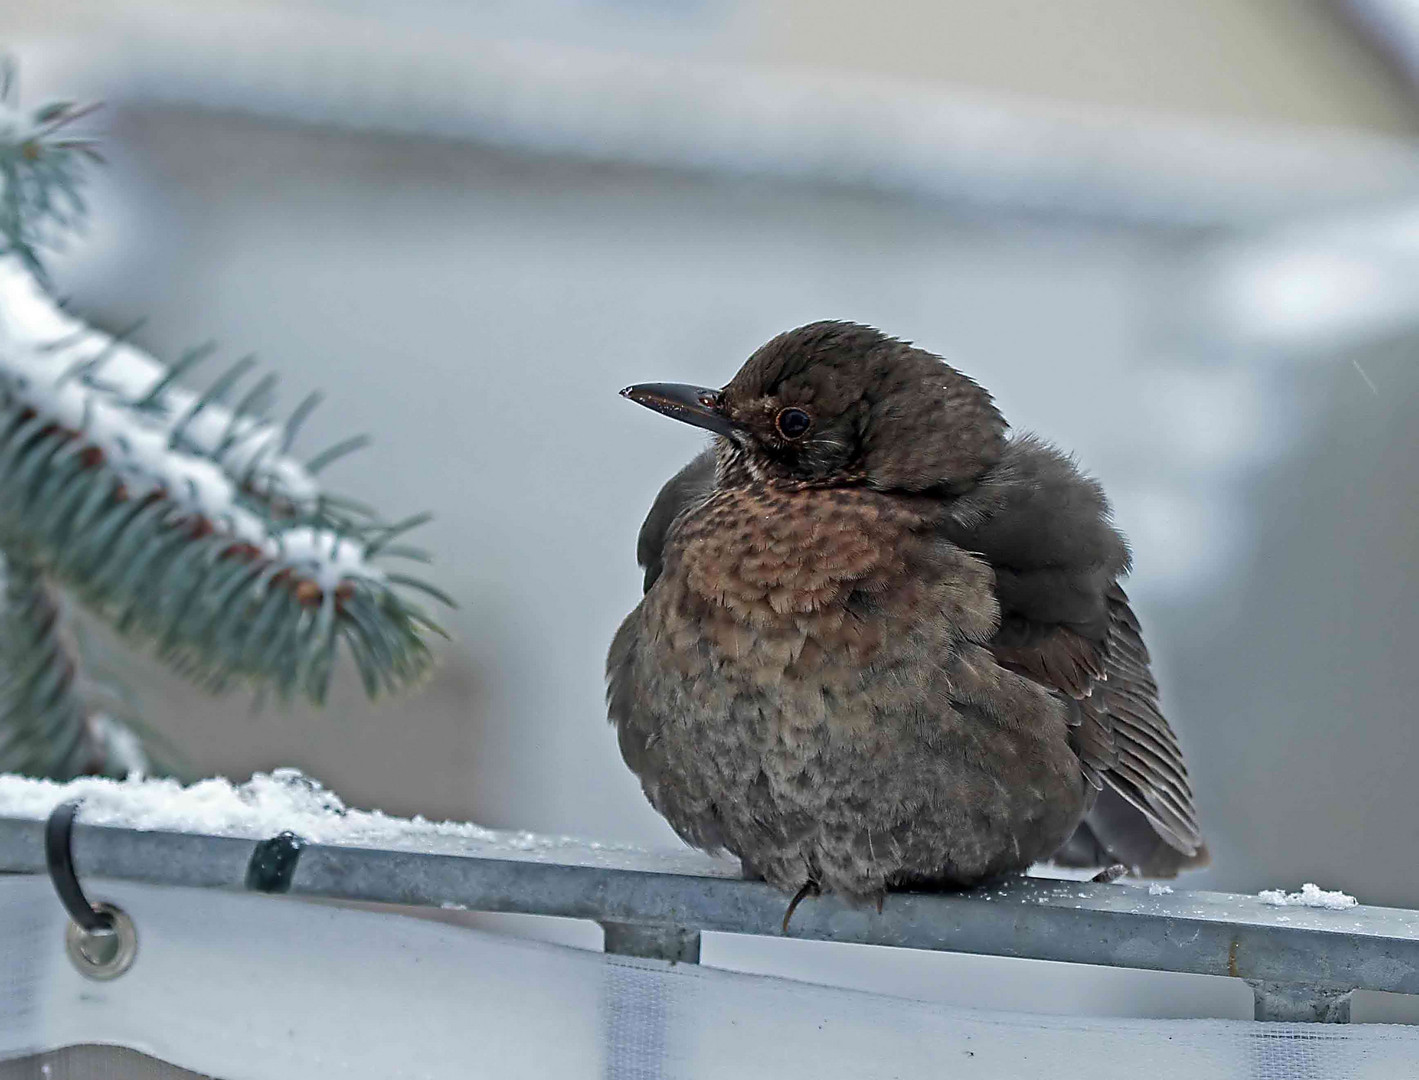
(103, 954)
(100, 939)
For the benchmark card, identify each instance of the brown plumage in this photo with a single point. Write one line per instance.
(882, 644)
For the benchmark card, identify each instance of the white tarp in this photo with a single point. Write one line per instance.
(242, 986)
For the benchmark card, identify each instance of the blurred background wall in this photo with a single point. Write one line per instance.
(1180, 238)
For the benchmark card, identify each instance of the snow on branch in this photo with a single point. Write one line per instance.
(207, 458)
(183, 517)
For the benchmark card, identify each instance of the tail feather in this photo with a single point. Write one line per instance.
(1114, 831)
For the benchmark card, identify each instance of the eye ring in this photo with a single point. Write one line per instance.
(793, 423)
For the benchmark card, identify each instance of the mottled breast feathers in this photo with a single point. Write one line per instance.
(788, 573)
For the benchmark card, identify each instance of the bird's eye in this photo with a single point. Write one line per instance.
(793, 423)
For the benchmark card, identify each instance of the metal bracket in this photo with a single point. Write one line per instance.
(1300, 1003)
(671, 943)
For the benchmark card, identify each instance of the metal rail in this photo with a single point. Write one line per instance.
(1302, 963)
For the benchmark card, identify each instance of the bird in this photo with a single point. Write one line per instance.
(882, 643)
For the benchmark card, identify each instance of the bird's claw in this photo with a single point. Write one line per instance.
(808, 888)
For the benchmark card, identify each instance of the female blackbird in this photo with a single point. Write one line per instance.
(883, 644)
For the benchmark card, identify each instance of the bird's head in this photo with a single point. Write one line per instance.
(838, 403)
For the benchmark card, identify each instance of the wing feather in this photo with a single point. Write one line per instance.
(1067, 623)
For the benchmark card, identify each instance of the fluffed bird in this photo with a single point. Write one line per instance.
(883, 643)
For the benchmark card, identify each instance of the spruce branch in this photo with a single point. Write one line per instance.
(42, 169)
(46, 728)
(181, 519)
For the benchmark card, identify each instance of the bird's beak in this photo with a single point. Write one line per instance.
(692, 404)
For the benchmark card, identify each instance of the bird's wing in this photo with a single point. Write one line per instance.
(1148, 770)
(689, 486)
(1120, 735)
(1066, 623)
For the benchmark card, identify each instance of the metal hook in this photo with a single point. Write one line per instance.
(100, 939)
(59, 856)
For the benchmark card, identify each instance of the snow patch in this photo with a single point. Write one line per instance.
(121, 744)
(321, 555)
(1311, 895)
(267, 804)
(1155, 889)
